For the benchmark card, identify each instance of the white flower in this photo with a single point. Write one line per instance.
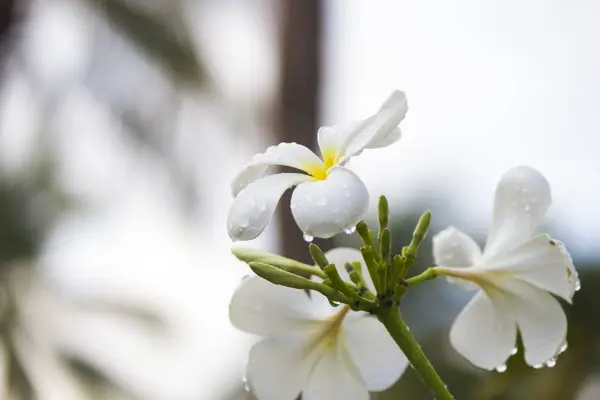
(329, 198)
(516, 275)
(325, 352)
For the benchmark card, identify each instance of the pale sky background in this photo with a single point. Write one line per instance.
(490, 85)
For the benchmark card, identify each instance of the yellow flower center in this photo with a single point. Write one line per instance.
(331, 156)
(331, 330)
(485, 279)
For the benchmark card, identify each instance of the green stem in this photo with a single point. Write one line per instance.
(427, 275)
(395, 325)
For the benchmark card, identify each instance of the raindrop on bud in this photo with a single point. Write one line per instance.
(538, 366)
(514, 351)
(307, 238)
(577, 285)
(551, 363)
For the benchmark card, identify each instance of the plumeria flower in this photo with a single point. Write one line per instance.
(310, 347)
(514, 277)
(329, 198)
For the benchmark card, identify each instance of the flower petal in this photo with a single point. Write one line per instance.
(453, 248)
(278, 370)
(327, 207)
(542, 262)
(335, 377)
(392, 137)
(379, 129)
(485, 331)
(374, 352)
(522, 198)
(263, 308)
(342, 255)
(332, 139)
(288, 154)
(541, 320)
(254, 206)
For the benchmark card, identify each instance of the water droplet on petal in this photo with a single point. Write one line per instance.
(527, 207)
(538, 366)
(262, 207)
(350, 231)
(514, 351)
(243, 221)
(563, 348)
(307, 238)
(577, 285)
(321, 202)
(551, 363)
(501, 368)
(245, 378)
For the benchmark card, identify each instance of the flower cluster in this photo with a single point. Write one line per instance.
(314, 345)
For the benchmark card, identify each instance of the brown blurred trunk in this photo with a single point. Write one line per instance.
(7, 20)
(298, 113)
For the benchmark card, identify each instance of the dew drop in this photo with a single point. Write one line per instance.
(538, 366)
(551, 363)
(501, 368)
(350, 231)
(514, 351)
(244, 221)
(563, 348)
(307, 238)
(527, 207)
(245, 378)
(577, 285)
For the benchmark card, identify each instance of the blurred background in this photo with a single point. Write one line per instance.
(122, 123)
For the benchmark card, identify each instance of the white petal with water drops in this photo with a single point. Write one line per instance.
(541, 320)
(522, 198)
(254, 206)
(542, 262)
(287, 154)
(323, 209)
(453, 248)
